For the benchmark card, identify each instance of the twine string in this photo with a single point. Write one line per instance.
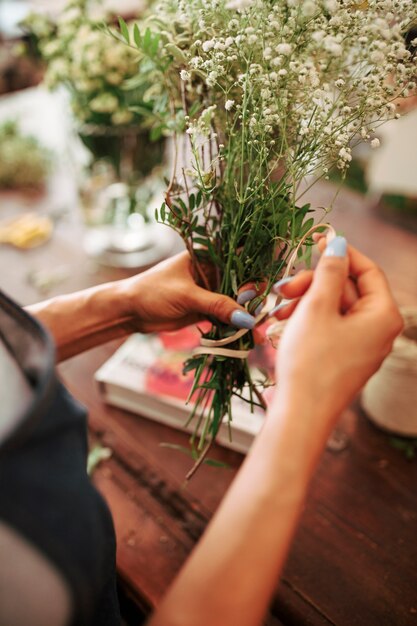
(215, 347)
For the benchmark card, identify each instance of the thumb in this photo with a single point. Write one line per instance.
(225, 309)
(331, 274)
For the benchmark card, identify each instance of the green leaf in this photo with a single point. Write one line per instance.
(183, 206)
(124, 30)
(141, 110)
(283, 227)
(147, 39)
(153, 47)
(156, 133)
(194, 108)
(176, 52)
(200, 241)
(214, 463)
(306, 226)
(192, 364)
(136, 36)
(234, 281)
(193, 453)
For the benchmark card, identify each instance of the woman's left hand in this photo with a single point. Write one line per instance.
(166, 297)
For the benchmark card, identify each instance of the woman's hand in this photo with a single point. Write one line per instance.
(163, 298)
(327, 353)
(166, 297)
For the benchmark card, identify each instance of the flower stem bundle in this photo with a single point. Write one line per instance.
(264, 98)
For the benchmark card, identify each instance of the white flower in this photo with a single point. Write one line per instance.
(345, 155)
(318, 35)
(332, 45)
(185, 75)
(104, 103)
(114, 78)
(375, 143)
(70, 15)
(122, 117)
(208, 45)
(284, 48)
(331, 5)
(377, 57)
(229, 105)
(309, 8)
(238, 4)
(211, 79)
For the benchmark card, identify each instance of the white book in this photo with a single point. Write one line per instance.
(145, 376)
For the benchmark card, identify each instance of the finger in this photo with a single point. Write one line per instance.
(370, 279)
(250, 291)
(331, 275)
(350, 295)
(211, 304)
(284, 310)
(294, 286)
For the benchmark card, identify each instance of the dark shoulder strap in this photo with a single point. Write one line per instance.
(27, 377)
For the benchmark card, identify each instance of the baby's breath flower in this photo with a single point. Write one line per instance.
(345, 154)
(208, 45)
(284, 49)
(229, 105)
(238, 4)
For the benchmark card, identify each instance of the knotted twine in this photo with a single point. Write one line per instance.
(216, 347)
(390, 396)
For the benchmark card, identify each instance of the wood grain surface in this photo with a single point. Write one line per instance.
(354, 558)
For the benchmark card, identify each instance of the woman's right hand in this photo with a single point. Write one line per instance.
(327, 353)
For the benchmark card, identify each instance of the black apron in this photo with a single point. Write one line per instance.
(45, 492)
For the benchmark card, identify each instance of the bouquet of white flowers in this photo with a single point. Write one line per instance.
(268, 94)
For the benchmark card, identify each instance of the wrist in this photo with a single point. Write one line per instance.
(300, 424)
(102, 306)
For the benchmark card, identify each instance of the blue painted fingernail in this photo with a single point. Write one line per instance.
(241, 319)
(245, 296)
(336, 247)
(278, 307)
(259, 309)
(277, 286)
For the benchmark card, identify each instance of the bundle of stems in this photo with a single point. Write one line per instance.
(263, 99)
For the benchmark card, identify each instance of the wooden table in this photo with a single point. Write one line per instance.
(354, 558)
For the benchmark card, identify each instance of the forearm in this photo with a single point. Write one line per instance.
(84, 319)
(232, 573)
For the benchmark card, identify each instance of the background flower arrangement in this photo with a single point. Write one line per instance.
(24, 162)
(96, 72)
(78, 56)
(270, 95)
